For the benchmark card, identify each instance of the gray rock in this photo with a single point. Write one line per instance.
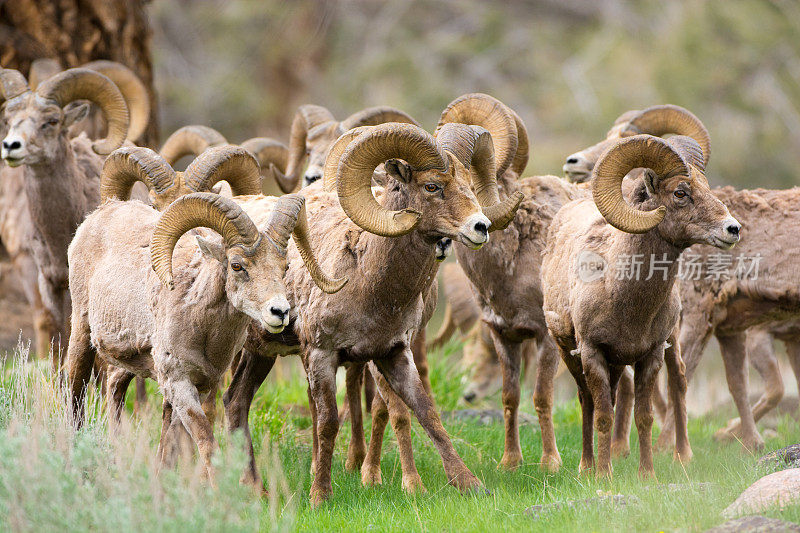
(699, 486)
(782, 459)
(614, 500)
(755, 524)
(774, 490)
(486, 417)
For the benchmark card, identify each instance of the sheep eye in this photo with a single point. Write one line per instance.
(237, 267)
(50, 123)
(432, 187)
(679, 194)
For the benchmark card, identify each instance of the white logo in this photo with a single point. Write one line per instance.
(591, 266)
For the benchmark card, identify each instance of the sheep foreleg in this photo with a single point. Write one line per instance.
(510, 356)
(645, 375)
(543, 402)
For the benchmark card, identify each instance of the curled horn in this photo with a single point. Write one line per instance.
(661, 120)
(473, 147)
(307, 117)
(127, 165)
(639, 151)
(42, 69)
(230, 163)
(335, 153)
(289, 218)
(271, 155)
(12, 84)
(84, 84)
(522, 155)
(490, 113)
(372, 116)
(190, 140)
(132, 89)
(199, 210)
(359, 160)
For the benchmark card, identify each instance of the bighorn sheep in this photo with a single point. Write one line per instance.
(182, 324)
(603, 321)
(314, 130)
(16, 225)
(717, 305)
(385, 249)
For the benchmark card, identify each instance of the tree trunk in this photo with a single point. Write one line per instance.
(78, 31)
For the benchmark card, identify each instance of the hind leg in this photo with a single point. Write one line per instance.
(117, 384)
(79, 364)
(371, 467)
(793, 353)
(620, 440)
(356, 450)
(676, 387)
(510, 355)
(186, 406)
(543, 402)
(735, 359)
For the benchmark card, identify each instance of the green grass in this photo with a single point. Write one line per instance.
(52, 477)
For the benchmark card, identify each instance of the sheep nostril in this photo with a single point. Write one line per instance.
(312, 179)
(733, 229)
(481, 228)
(13, 145)
(469, 397)
(280, 313)
(572, 161)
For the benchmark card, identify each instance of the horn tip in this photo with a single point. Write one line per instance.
(335, 285)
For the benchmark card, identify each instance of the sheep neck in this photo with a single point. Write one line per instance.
(56, 199)
(396, 270)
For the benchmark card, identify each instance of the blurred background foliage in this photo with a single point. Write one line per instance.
(568, 67)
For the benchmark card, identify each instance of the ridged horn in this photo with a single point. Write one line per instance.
(190, 140)
(12, 84)
(661, 120)
(84, 84)
(199, 210)
(289, 218)
(230, 163)
(372, 116)
(523, 154)
(42, 69)
(473, 147)
(127, 165)
(132, 89)
(354, 174)
(271, 155)
(307, 117)
(490, 113)
(639, 151)
(335, 153)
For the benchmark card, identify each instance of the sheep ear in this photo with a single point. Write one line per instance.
(212, 249)
(75, 112)
(399, 170)
(650, 181)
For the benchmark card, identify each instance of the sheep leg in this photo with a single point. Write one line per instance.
(420, 351)
(371, 467)
(79, 364)
(116, 385)
(369, 389)
(762, 357)
(543, 402)
(140, 400)
(312, 408)
(621, 434)
(175, 442)
(573, 364)
(401, 425)
(793, 353)
(402, 376)
(321, 372)
(186, 405)
(251, 371)
(676, 385)
(357, 449)
(735, 359)
(646, 373)
(598, 381)
(510, 355)
(210, 404)
(660, 404)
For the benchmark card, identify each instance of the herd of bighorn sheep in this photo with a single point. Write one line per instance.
(180, 276)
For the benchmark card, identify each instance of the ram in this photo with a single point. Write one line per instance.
(601, 318)
(385, 249)
(179, 320)
(17, 228)
(744, 314)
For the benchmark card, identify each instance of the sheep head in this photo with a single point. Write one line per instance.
(124, 167)
(314, 131)
(674, 197)
(657, 120)
(432, 176)
(38, 120)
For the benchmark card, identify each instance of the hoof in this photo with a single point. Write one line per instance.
(510, 462)
(620, 449)
(585, 467)
(413, 485)
(551, 463)
(467, 483)
(370, 476)
(684, 457)
(318, 496)
(353, 463)
(647, 474)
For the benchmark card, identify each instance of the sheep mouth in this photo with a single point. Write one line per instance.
(273, 329)
(722, 243)
(472, 244)
(576, 176)
(14, 161)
